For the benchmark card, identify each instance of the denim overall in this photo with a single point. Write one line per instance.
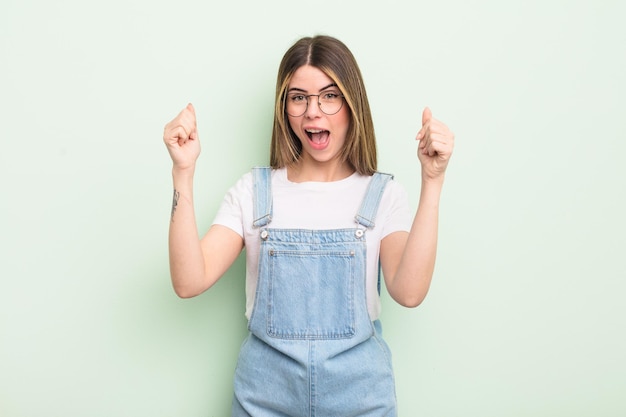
(312, 348)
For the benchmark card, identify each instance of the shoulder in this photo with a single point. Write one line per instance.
(395, 195)
(393, 188)
(395, 210)
(244, 184)
(393, 192)
(241, 191)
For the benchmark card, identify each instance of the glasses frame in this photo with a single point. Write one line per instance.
(319, 104)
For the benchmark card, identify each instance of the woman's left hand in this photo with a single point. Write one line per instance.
(436, 142)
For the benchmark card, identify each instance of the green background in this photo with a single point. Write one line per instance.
(525, 316)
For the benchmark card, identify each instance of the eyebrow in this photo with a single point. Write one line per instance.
(304, 91)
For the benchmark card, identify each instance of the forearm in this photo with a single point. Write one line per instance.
(185, 253)
(410, 284)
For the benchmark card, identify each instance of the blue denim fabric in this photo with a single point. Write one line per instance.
(312, 350)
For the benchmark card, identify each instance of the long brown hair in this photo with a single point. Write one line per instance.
(335, 59)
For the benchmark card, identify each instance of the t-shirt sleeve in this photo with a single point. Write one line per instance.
(232, 209)
(397, 213)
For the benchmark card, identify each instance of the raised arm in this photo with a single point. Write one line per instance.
(408, 259)
(195, 265)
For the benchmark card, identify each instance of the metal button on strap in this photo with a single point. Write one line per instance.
(264, 234)
(359, 233)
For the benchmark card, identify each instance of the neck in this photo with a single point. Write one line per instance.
(303, 171)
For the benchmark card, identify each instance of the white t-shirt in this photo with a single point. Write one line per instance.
(314, 206)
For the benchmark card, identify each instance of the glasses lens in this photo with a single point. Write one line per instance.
(296, 104)
(330, 102)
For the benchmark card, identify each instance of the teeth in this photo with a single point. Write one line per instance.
(314, 131)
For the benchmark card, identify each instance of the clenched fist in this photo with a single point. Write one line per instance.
(435, 147)
(182, 140)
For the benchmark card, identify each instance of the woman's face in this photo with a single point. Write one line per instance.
(322, 135)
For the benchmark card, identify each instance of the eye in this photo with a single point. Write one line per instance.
(297, 98)
(330, 95)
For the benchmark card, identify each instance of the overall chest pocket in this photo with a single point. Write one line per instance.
(311, 294)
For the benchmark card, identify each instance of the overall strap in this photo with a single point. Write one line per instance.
(367, 213)
(262, 196)
(369, 207)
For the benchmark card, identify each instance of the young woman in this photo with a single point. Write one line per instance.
(318, 225)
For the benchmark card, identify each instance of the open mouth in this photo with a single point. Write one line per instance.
(318, 136)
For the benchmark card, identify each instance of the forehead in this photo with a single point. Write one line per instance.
(309, 78)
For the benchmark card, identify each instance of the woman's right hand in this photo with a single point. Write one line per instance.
(182, 140)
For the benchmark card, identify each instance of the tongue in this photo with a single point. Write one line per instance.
(319, 137)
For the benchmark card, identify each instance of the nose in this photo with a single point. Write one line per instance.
(313, 106)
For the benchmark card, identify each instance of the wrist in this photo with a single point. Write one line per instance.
(431, 189)
(432, 181)
(183, 172)
(183, 178)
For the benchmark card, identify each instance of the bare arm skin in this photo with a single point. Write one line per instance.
(408, 259)
(195, 264)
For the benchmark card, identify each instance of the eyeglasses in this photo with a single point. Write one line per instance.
(330, 102)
